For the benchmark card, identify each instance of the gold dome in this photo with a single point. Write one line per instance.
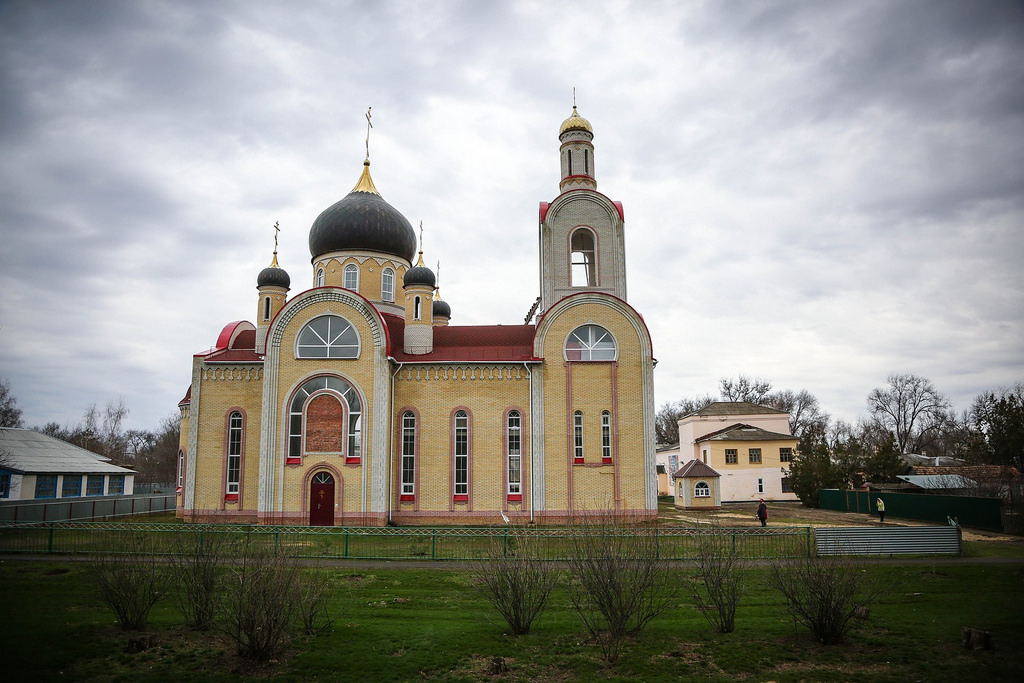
(576, 122)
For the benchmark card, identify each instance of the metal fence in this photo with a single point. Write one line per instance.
(98, 507)
(902, 540)
(387, 543)
(973, 511)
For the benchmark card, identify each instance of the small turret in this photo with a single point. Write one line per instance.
(419, 282)
(273, 284)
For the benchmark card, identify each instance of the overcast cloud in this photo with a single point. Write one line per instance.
(816, 193)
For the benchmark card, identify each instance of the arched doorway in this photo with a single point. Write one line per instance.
(321, 500)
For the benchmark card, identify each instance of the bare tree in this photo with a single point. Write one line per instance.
(803, 408)
(718, 585)
(194, 574)
(751, 390)
(10, 413)
(129, 579)
(911, 408)
(666, 422)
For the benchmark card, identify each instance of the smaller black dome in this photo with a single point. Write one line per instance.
(273, 276)
(442, 309)
(419, 275)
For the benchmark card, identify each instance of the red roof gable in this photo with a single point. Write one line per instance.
(466, 343)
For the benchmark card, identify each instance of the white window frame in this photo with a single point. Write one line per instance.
(606, 435)
(408, 453)
(701, 490)
(514, 452)
(461, 460)
(320, 277)
(387, 285)
(351, 277)
(591, 343)
(233, 471)
(577, 435)
(339, 339)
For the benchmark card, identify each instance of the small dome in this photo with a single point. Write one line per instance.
(273, 276)
(576, 122)
(362, 221)
(419, 275)
(442, 309)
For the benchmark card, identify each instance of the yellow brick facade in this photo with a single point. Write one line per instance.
(434, 373)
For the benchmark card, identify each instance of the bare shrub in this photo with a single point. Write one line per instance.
(515, 579)
(823, 593)
(718, 584)
(617, 581)
(194, 568)
(314, 590)
(261, 601)
(129, 579)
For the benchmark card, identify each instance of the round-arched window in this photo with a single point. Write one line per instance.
(702, 490)
(590, 342)
(329, 336)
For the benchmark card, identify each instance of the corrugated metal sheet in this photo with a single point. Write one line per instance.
(896, 540)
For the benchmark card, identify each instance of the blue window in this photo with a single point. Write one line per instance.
(115, 485)
(94, 485)
(46, 486)
(72, 486)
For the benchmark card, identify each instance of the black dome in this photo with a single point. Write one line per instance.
(362, 221)
(419, 275)
(442, 309)
(272, 276)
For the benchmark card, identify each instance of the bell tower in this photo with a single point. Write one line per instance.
(582, 244)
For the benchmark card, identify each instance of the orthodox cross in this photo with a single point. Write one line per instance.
(277, 229)
(369, 125)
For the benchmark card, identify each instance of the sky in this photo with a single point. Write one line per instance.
(818, 194)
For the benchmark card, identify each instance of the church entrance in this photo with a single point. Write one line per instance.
(321, 500)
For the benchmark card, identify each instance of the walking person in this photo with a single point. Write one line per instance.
(762, 513)
(880, 504)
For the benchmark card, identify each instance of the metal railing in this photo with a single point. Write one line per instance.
(895, 540)
(386, 543)
(87, 508)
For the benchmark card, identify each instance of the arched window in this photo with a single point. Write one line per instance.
(387, 285)
(702, 490)
(606, 436)
(234, 454)
(329, 336)
(568, 156)
(584, 273)
(320, 277)
(325, 423)
(460, 464)
(514, 452)
(417, 308)
(352, 277)
(577, 436)
(181, 469)
(408, 454)
(586, 162)
(590, 342)
(266, 308)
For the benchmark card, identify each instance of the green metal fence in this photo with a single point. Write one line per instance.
(974, 511)
(386, 543)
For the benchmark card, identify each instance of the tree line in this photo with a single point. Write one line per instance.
(152, 454)
(908, 414)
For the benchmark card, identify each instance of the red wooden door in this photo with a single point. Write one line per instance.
(321, 500)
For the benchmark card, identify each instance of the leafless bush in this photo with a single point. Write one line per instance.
(617, 583)
(129, 579)
(823, 593)
(516, 580)
(314, 590)
(261, 602)
(195, 576)
(718, 584)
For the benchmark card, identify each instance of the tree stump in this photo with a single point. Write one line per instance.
(498, 666)
(140, 642)
(976, 639)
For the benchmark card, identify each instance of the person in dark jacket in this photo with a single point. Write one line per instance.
(762, 513)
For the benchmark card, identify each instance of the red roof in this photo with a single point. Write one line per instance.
(466, 343)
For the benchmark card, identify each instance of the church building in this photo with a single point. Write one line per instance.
(355, 402)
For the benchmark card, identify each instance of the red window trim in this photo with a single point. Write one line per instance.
(461, 498)
(515, 497)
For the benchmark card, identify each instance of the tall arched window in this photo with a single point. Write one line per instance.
(584, 272)
(233, 468)
(352, 277)
(387, 285)
(266, 308)
(417, 308)
(320, 277)
(460, 464)
(326, 422)
(577, 436)
(606, 436)
(590, 342)
(408, 454)
(328, 336)
(514, 452)
(181, 469)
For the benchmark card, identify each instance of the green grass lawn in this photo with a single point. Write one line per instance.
(412, 624)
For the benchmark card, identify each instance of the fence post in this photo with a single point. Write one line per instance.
(346, 542)
(49, 547)
(277, 541)
(808, 532)
(433, 544)
(505, 553)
